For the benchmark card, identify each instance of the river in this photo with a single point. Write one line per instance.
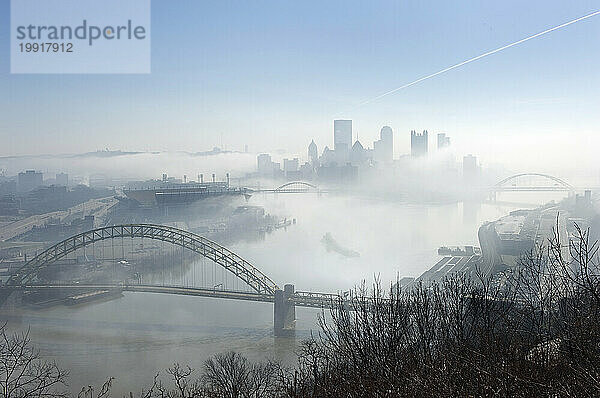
(134, 337)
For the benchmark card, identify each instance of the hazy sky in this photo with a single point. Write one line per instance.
(274, 74)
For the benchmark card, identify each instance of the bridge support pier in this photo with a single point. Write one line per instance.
(284, 312)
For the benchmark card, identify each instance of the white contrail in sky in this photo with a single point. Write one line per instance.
(477, 57)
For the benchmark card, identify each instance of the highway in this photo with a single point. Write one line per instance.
(96, 207)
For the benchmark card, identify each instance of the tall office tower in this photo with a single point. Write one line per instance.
(29, 180)
(470, 168)
(383, 149)
(264, 164)
(387, 139)
(358, 155)
(342, 135)
(386, 134)
(290, 165)
(442, 141)
(313, 154)
(418, 143)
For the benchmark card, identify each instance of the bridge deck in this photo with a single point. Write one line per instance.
(300, 299)
(178, 290)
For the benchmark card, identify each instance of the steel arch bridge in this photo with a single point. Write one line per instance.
(296, 186)
(222, 256)
(557, 184)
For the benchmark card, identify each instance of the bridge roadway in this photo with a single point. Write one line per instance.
(291, 190)
(531, 189)
(553, 184)
(542, 189)
(299, 299)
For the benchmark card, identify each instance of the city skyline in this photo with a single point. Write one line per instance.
(289, 86)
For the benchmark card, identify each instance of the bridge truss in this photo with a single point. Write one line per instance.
(291, 187)
(509, 184)
(297, 186)
(236, 265)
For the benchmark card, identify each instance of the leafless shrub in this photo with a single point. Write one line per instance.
(231, 375)
(533, 333)
(224, 375)
(23, 373)
(104, 392)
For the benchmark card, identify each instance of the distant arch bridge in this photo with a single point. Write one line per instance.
(299, 186)
(557, 184)
(544, 183)
(293, 187)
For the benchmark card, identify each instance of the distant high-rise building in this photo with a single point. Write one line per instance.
(383, 149)
(99, 181)
(386, 134)
(306, 172)
(29, 180)
(358, 155)
(265, 165)
(313, 154)
(290, 165)
(470, 168)
(327, 156)
(442, 141)
(62, 179)
(291, 169)
(418, 143)
(342, 135)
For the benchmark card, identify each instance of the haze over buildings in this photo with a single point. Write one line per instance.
(29, 180)
(367, 166)
(442, 141)
(342, 135)
(419, 143)
(294, 86)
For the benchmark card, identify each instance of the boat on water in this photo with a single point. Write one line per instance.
(332, 245)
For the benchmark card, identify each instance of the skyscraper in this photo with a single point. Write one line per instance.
(290, 165)
(342, 135)
(313, 154)
(29, 180)
(470, 168)
(384, 148)
(358, 154)
(418, 143)
(442, 141)
(386, 134)
(265, 165)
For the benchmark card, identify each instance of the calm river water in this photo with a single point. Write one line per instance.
(133, 337)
